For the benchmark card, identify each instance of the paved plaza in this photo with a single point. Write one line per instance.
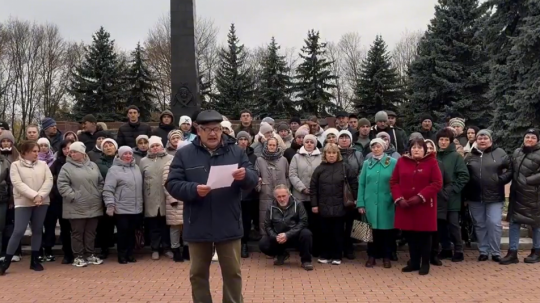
(165, 281)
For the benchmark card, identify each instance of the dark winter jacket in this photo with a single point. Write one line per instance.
(163, 130)
(6, 190)
(89, 139)
(55, 170)
(364, 149)
(249, 129)
(138, 155)
(463, 139)
(128, 133)
(217, 216)
(428, 134)
(104, 163)
(250, 195)
(489, 172)
(353, 158)
(291, 151)
(444, 194)
(289, 220)
(55, 141)
(397, 135)
(524, 207)
(459, 174)
(94, 154)
(326, 188)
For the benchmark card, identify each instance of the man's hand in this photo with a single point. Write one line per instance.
(38, 200)
(239, 174)
(281, 238)
(110, 211)
(315, 210)
(203, 190)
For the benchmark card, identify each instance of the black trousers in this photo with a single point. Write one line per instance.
(314, 226)
(159, 231)
(419, 247)
(254, 211)
(347, 240)
(49, 235)
(65, 236)
(270, 247)
(332, 238)
(126, 225)
(436, 238)
(381, 247)
(246, 218)
(105, 232)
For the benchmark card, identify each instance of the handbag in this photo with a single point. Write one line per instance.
(349, 200)
(362, 230)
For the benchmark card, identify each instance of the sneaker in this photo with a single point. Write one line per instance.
(323, 261)
(215, 257)
(307, 266)
(94, 260)
(155, 255)
(336, 262)
(16, 258)
(79, 262)
(169, 254)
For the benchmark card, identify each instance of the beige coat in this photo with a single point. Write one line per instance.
(174, 213)
(30, 180)
(153, 192)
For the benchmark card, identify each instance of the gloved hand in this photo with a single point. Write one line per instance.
(110, 211)
(414, 200)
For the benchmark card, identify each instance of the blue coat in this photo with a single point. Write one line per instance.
(216, 217)
(374, 192)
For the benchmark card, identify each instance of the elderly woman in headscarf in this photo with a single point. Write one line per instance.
(458, 125)
(174, 137)
(266, 131)
(227, 128)
(273, 170)
(46, 153)
(389, 148)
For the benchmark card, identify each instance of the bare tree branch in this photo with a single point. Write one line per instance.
(404, 53)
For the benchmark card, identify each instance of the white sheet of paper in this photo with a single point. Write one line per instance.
(220, 176)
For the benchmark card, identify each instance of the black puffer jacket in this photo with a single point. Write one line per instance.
(489, 172)
(291, 151)
(6, 189)
(326, 188)
(55, 171)
(289, 220)
(128, 133)
(524, 205)
(163, 130)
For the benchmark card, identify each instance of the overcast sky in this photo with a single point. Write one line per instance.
(256, 21)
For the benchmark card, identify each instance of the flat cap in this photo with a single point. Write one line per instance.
(209, 116)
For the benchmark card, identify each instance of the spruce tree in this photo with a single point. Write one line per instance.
(233, 79)
(141, 84)
(98, 83)
(378, 84)
(314, 78)
(513, 41)
(450, 75)
(275, 85)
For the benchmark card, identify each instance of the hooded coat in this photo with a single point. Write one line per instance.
(163, 129)
(302, 166)
(154, 194)
(524, 207)
(455, 167)
(123, 188)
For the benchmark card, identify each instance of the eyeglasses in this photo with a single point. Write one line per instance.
(210, 129)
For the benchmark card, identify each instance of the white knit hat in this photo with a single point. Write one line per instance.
(44, 141)
(155, 140)
(184, 119)
(110, 141)
(140, 137)
(124, 149)
(78, 147)
(380, 141)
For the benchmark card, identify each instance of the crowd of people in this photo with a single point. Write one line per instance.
(291, 189)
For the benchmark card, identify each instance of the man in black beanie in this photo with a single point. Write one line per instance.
(294, 124)
(426, 129)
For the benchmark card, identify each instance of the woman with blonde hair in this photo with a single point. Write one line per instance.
(326, 189)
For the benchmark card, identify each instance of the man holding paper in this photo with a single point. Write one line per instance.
(212, 215)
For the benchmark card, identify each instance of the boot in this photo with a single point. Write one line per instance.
(424, 269)
(104, 253)
(185, 253)
(534, 257)
(445, 254)
(434, 260)
(510, 258)
(34, 261)
(5, 264)
(177, 255)
(245, 252)
(371, 262)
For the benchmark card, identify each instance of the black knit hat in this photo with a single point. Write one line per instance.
(426, 117)
(533, 131)
(133, 107)
(295, 119)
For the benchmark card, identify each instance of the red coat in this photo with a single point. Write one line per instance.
(410, 178)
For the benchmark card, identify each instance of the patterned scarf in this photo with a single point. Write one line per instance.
(271, 156)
